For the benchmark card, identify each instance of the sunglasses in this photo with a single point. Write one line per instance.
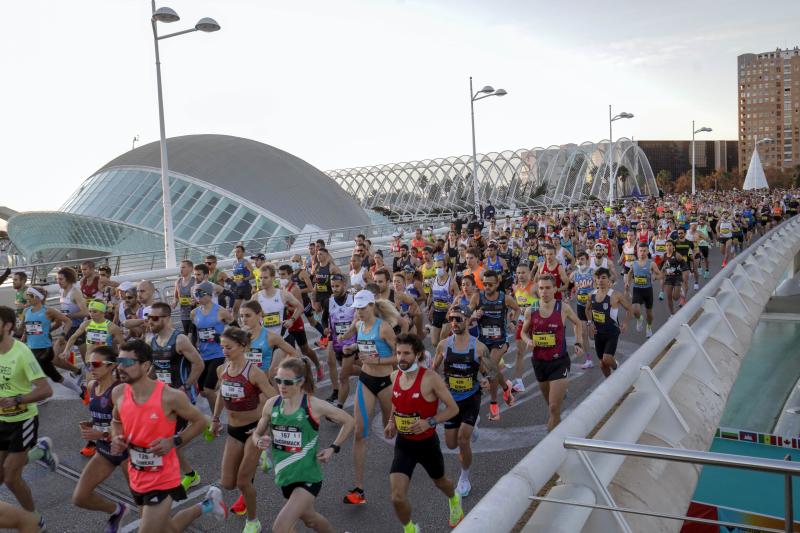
(155, 317)
(211, 263)
(456, 319)
(288, 382)
(199, 294)
(98, 364)
(126, 362)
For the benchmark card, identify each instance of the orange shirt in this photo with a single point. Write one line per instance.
(477, 275)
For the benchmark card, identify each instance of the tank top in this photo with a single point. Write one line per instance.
(370, 342)
(553, 272)
(296, 279)
(340, 318)
(37, 329)
(476, 274)
(168, 364)
(410, 405)
(240, 273)
(428, 275)
(440, 293)
(725, 229)
(294, 444)
(659, 247)
(493, 322)
(603, 315)
(628, 254)
(68, 305)
(185, 300)
(238, 393)
(141, 425)
(461, 369)
(567, 245)
(357, 278)
(525, 297)
(642, 277)
(209, 328)
(97, 334)
(322, 280)
(594, 265)
(584, 285)
(297, 325)
(260, 352)
(101, 408)
(91, 290)
(549, 340)
(273, 308)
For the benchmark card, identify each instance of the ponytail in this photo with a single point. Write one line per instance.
(386, 310)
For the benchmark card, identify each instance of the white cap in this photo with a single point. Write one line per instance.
(396, 234)
(363, 298)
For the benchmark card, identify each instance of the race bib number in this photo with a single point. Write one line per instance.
(460, 383)
(96, 337)
(164, 376)
(141, 459)
(661, 247)
(544, 340)
(598, 317)
(440, 305)
(405, 423)
(185, 301)
(321, 287)
(13, 410)
(34, 328)
(288, 439)
(341, 327)
(367, 348)
(206, 334)
(238, 278)
(254, 356)
(232, 390)
(491, 332)
(640, 280)
(272, 319)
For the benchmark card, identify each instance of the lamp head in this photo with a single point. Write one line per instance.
(704, 129)
(625, 115)
(207, 24)
(487, 89)
(165, 14)
(500, 92)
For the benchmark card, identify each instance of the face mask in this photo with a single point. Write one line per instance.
(440, 271)
(283, 283)
(295, 265)
(413, 368)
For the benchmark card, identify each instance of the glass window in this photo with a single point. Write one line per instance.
(224, 213)
(147, 203)
(185, 203)
(187, 229)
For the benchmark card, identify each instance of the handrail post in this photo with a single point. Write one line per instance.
(788, 503)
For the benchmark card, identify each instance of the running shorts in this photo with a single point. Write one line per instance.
(312, 488)
(155, 497)
(240, 432)
(375, 384)
(551, 370)
(468, 410)
(438, 319)
(243, 292)
(409, 453)
(208, 378)
(643, 295)
(605, 342)
(45, 358)
(19, 436)
(297, 338)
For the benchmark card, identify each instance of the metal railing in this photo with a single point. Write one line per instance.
(785, 468)
(635, 397)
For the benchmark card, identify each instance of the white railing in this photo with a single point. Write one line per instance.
(737, 294)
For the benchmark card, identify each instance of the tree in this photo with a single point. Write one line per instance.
(664, 180)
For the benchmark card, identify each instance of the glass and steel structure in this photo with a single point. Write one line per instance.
(536, 178)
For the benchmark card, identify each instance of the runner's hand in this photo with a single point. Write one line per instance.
(420, 426)
(216, 427)
(161, 446)
(262, 442)
(118, 445)
(89, 433)
(8, 402)
(64, 355)
(623, 327)
(325, 455)
(390, 430)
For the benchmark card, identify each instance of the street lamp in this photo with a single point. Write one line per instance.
(704, 129)
(486, 92)
(612, 179)
(167, 15)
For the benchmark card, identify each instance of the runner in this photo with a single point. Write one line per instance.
(293, 418)
(605, 327)
(90, 282)
(684, 248)
(672, 267)
(209, 319)
(73, 306)
(18, 519)
(443, 290)
(242, 385)
(463, 356)
(103, 364)
(98, 330)
(725, 236)
(554, 268)
(18, 282)
(526, 296)
(302, 279)
(295, 334)
(176, 363)
(24, 384)
(143, 423)
(583, 278)
(416, 394)
(339, 316)
(264, 342)
(375, 339)
(642, 273)
(242, 274)
(544, 333)
(491, 308)
(321, 276)
(184, 286)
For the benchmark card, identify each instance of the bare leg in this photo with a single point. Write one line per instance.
(300, 506)
(12, 517)
(84, 496)
(402, 507)
(11, 475)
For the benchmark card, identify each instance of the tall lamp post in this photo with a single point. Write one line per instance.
(694, 131)
(613, 179)
(486, 92)
(166, 14)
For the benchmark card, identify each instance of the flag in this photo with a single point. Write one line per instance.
(763, 438)
(729, 434)
(748, 436)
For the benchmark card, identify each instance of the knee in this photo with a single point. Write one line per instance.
(464, 440)
(398, 497)
(78, 498)
(310, 522)
(228, 483)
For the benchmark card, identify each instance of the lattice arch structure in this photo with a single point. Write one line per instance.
(528, 179)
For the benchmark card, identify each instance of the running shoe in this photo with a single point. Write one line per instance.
(519, 386)
(494, 412)
(324, 342)
(355, 496)
(115, 520)
(661, 295)
(682, 301)
(239, 507)
(49, 458)
(639, 323)
(508, 396)
(456, 512)
(705, 274)
(724, 264)
(334, 397)
(696, 286)
(208, 434)
(411, 527)
(252, 526)
(42, 525)
(214, 504)
(463, 487)
(587, 364)
(320, 375)
(265, 461)
(475, 431)
(189, 481)
(89, 450)
(649, 331)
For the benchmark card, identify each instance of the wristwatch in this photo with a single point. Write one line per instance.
(432, 422)
(17, 399)
(335, 447)
(177, 440)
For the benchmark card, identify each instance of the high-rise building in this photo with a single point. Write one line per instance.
(769, 107)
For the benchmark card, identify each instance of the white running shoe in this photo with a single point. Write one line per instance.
(518, 386)
(214, 504)
(696, 286)
(587, 365)
(639, 323)
(649, 331)
(463, 487)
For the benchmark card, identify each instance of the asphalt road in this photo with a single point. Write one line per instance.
(500, 445)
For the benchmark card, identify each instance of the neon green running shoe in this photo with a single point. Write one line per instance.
(188, 481)
(265, 462)
(456, 512)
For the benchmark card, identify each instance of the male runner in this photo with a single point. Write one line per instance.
(526, 296)
(416, 394)
(641, 275)
(184, 286)
(242, 274)
(210, 320)
(605, 303)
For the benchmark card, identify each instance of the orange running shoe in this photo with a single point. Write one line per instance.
(508, 396)
(355, 496)
(239, 508)
(494, 412)
(89, 450)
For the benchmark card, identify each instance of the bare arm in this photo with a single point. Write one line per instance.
(190, 353)
(443, 393)
(117, 338)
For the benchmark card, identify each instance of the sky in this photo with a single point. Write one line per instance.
(349, 83)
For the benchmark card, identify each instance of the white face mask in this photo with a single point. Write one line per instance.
(283, 282)
(295, 265)
(412, 368)
(440, 271)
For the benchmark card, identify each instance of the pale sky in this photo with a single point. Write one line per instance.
(355, 82)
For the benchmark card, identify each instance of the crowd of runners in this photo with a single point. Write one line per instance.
(147, 364)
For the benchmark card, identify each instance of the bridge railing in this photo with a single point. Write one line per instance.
(635, 398)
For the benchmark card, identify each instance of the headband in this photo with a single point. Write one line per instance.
(34, 292)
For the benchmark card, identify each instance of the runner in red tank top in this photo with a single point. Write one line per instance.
(144, 424)
(552, 267)
(296, 333)
(416, 394)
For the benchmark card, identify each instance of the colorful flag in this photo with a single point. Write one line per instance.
(748, 436)
(729, 434)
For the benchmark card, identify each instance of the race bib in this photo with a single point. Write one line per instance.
(102, 428)
(206, 334)
(164, 376)
(640, 280)
(440, 305)
(238, 278)
(232, 390)
(272, 319)
(341, 327)
(96, 337)
(288, 439)
(460, 383)
(598, 317)
(661, 247)
(544, 340)
(405, 423)
(13, 410)
(254, 356)
(367, 348)
(141, 459)
(34, 328)
(185, 301)
(583, 298)
(321, 287)
(491, 332)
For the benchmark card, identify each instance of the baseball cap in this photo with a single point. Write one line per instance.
(409, 269)
(259, 256)
(363, 298)
(207, 287)
(462, 310)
